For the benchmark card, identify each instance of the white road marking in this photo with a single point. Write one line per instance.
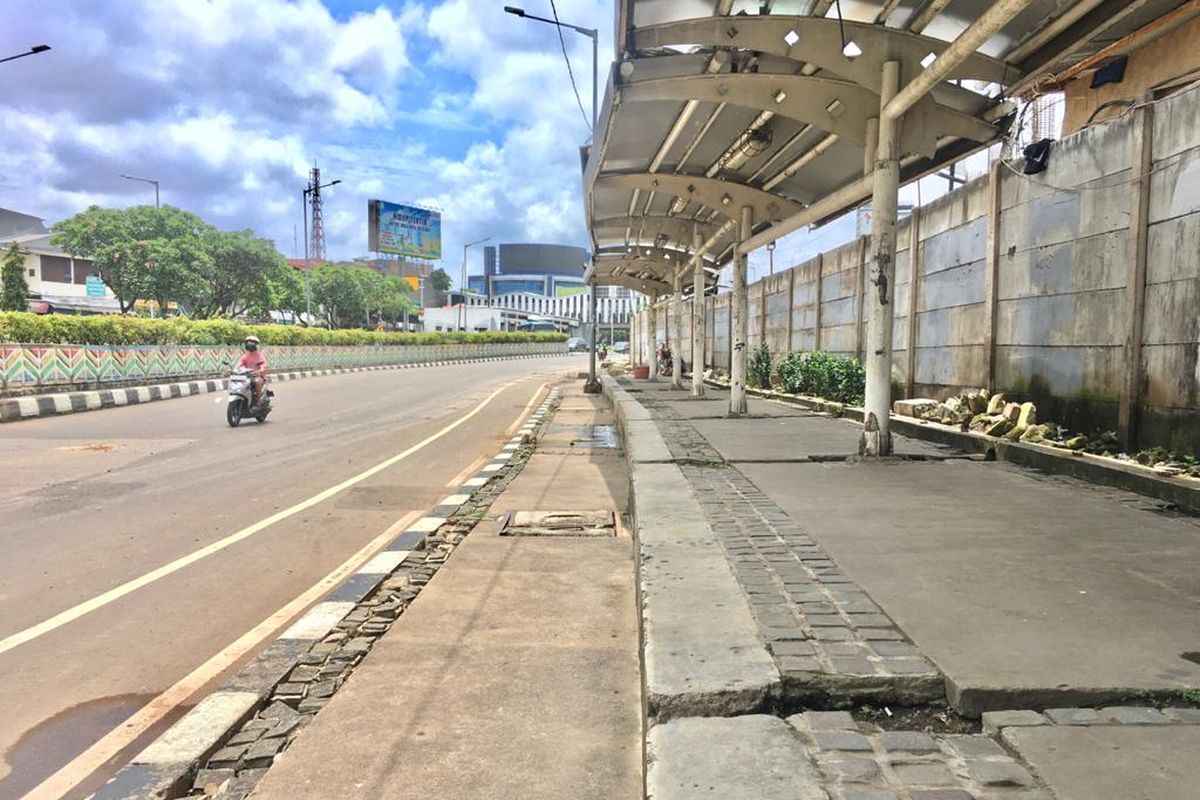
(492, 468)
(320, 619)
(28, 406)
(455, 500)
(475, 482)
(150, 714)
(62, 404)
(383, 563)
(198, 730)
(116, 593)
(427, 524)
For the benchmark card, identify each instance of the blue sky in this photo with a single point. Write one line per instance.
(227, 103)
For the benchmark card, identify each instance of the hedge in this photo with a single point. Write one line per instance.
(833, 377)
(24, 328)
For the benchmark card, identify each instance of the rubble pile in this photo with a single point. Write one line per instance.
(991, 415)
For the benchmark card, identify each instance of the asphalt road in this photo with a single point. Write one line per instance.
(92, 501)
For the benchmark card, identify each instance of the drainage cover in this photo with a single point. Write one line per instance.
(560, 523)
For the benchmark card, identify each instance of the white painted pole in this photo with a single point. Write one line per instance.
(880, 291)
(737, 360)
(652, 336)
(697, 316)
(677, 326)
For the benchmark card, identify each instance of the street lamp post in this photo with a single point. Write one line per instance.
(304, 208)
(146, 180)
(33, 51)
(592, 386)
(462, 314)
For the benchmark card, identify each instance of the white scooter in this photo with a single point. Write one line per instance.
(241, 399)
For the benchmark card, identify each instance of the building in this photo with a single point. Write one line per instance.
(480, 318)
(547, 280)
(58, 283)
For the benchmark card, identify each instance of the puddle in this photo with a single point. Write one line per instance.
(46, 748)
(597, 436)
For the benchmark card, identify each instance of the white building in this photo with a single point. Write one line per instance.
(615, 305)
(57, 282)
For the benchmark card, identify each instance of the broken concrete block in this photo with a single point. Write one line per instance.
(916, 407)
(977, 402)
(1035, 434)
(1028, 416)
(1012, 412)
(1075, 443)
(1000, 427)
(996, 404)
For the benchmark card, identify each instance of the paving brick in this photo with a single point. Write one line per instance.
(907, 742)
(792, 648)
(828, 720)
(976, 746)
(853, 666)
(797, 664)
(1189, 716)
(941, 794)
(880, 634)
(908, 666)
(927, 774)
(1134, 715)
(869, 794)
(841, 740)
(993, 721)
(833, 634)
(852, 770)
(1074, 716)
(1001, 773)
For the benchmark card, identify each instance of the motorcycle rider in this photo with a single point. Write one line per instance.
(256, 362)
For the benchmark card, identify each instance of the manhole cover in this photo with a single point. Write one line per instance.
(560, 523)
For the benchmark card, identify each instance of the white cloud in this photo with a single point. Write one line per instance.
(228, 103)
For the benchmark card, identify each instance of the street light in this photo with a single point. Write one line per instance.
(463, 312)
(33, 51)
(591, 33)
(304, 207)
(592, 386)
(146, 180)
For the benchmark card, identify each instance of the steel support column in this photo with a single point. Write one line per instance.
(697, 316)
(880, 291)
(737, 345)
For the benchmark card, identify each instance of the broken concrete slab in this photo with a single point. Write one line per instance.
(752, 756)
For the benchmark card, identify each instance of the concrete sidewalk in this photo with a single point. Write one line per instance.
(930, 577)
(515, 672)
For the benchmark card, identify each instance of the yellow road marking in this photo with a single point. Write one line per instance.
(116, 593)
(96, 756)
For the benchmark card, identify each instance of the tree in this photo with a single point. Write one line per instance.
(235, 277)
(439, 280)
(141, 253)
(15, 289)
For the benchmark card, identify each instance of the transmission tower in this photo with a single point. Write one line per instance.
(317, 236)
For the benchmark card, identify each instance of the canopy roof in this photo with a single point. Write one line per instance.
(714, 105)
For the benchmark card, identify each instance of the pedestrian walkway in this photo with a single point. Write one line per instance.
(515, 672)
(932, 576)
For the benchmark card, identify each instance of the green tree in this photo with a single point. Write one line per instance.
(440, 280)
(15, 289)
(142, 253)
(236, 277)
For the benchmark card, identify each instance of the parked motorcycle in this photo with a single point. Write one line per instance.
(241, 399)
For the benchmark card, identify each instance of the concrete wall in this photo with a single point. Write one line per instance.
(1042, 314)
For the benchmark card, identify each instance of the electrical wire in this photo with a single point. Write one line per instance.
(574, 87)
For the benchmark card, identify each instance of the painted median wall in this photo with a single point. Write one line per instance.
(1078, 288)
(32, 368)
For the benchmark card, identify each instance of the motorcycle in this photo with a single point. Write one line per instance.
(241, 399)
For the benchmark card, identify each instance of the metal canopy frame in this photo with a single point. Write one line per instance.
(726, 125)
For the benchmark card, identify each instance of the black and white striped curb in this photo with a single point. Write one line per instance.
(15, 409)
(167, 766)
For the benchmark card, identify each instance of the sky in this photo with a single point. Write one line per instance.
(454, 105)
(451, 104)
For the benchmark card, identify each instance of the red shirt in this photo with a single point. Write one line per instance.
(254, 360)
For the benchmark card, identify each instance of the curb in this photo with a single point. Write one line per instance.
(164, 768)
(1185, 495)
(17, 409)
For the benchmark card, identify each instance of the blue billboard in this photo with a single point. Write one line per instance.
(404, 230)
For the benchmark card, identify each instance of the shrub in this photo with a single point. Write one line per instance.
(26, 328)
(832, 377)
(758, 369)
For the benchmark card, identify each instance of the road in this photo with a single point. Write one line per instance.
(101, 500)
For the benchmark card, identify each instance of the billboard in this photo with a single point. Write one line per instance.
(403, 230)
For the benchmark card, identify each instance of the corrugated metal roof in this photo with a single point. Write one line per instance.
(759, 96)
